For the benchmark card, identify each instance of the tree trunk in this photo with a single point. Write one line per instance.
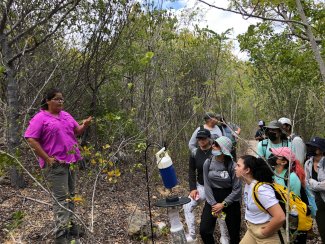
(311, 37)
(13, 108)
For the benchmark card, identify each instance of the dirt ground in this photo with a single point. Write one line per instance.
(26, 214)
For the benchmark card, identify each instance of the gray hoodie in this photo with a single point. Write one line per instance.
(216, 175)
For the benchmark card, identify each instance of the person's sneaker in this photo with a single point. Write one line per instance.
(76, 231)
(224, 240)
(190, 238)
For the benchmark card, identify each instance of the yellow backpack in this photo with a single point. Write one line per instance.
(305, 220)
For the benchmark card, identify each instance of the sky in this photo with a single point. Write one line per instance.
(216, 20)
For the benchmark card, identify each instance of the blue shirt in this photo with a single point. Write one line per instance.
(295, 184)
(263, 147)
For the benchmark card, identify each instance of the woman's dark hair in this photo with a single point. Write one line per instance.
(48, 96)
(259, 168)
(283, 136)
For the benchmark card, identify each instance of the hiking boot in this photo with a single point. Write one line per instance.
(76, 231)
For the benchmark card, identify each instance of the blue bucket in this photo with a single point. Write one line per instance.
(168, 176)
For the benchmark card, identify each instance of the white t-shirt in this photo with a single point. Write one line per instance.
(267, 198)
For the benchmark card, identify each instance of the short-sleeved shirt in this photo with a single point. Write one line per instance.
(55, 135)
(260, 133)
(295, 184)
(267, 198)
(263, 147)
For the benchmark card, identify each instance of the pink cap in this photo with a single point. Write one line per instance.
(284, 152)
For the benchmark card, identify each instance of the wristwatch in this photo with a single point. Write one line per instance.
(225, 204)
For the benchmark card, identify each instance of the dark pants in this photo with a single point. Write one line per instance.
(320, 216)
(233, 218)
(62, 184)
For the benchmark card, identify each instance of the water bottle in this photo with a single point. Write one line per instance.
(293, 218)
(166, 168)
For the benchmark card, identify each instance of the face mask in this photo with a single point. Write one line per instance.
(272, 160)
(272, 136)
(216, 153)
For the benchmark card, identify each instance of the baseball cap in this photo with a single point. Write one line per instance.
(261, 122)
(284, 152)
(284, 120)
(203, 133)
(317, 142)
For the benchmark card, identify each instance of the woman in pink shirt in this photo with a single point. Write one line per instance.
(52, 134)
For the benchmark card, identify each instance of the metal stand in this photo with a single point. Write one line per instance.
(176, 227)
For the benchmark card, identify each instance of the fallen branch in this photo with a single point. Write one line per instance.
(35, 200)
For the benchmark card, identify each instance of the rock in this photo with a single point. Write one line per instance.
(160, 225)
(138, 224)
(161, 229)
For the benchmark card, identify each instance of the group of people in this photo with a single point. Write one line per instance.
(215, 175)
(215, 178)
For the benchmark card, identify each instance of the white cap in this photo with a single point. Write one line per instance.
(260, 122)
(285, 121)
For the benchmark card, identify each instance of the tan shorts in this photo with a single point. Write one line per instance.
(254, 235)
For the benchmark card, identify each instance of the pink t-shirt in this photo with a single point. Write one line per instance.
(56, 135)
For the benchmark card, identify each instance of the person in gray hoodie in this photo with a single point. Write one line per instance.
(223, 192)
(315, 179)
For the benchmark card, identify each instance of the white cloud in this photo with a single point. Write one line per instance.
(219, 21)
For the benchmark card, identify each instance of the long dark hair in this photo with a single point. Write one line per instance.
(260, 169)
(48, 96)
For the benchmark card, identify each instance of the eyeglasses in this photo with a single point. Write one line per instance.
(57, 99)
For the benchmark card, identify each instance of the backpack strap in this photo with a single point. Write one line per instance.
(264, 146)
(229, 166)
(287, 142)
(221, 129)
(281, 237)
(255, 195)
(285, 178)
(210, 160)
